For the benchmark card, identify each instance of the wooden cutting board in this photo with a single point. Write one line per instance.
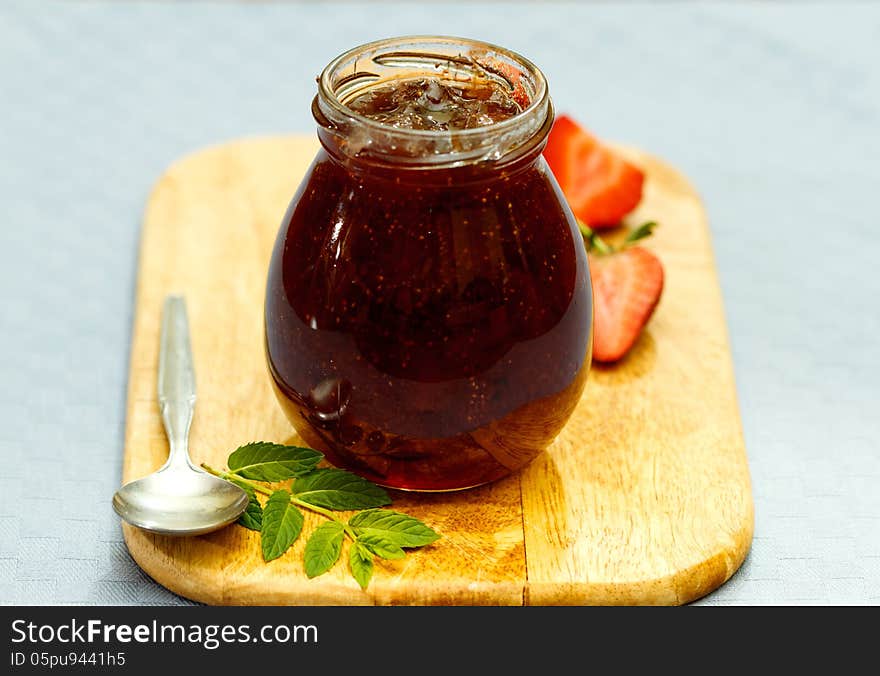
(643, 499)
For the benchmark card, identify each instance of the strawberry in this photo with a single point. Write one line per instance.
(512, 75)
(601, 186)
(627, 284)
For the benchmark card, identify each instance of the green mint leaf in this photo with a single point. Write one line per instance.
(360, 563)
(252, 517)
(253, 514)
(338, 489)
(263, 461)
(282, 523)
(323, 548)
(644, 230)
(401, 529)
(381, 547)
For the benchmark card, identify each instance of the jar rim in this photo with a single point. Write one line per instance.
(332, 107)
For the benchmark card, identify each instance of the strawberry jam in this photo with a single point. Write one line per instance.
(428, 307)
(431, 103)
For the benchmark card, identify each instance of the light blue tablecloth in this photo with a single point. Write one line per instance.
(773, 110)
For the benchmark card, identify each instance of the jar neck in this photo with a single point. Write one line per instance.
(458, 170)
(366, 144)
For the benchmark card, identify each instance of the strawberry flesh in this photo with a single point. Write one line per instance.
(626, 289)
(600, 185)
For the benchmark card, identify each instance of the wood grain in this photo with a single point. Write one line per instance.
(644, 497)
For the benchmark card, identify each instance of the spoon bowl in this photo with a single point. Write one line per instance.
(180, 502)
(178, 499)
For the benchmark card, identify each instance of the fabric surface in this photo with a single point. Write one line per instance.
(772, 110)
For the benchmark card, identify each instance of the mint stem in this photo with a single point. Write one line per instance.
(325, 512)
(225, 476)
(295, 500)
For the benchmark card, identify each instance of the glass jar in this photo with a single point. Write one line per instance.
(428, 308)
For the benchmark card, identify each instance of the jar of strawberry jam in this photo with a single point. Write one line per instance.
(428, 309)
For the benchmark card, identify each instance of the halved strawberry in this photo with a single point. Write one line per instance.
(601, 186)
(626, 288)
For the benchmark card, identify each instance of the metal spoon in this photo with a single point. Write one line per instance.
(178, 499)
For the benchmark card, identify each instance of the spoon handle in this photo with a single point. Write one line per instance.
(177, 381)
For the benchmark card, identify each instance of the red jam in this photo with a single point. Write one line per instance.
(428, 328)
(431, 103)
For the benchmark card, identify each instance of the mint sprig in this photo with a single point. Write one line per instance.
(279, 520)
